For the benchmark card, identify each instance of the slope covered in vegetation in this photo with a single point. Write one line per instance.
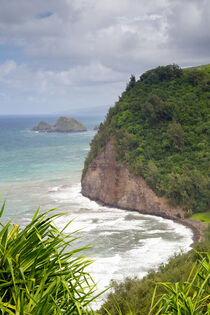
(177, 285)
(161, 129)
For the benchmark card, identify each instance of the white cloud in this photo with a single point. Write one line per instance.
(38, 90)
(91, 29)
(189, 36)
(21, 76)
(80, 45)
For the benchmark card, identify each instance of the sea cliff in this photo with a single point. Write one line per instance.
(111, 183)
(155, 142)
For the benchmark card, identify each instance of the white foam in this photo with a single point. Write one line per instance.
(149, 241)
(53, 189)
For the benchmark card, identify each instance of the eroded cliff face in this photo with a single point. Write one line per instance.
(111, 183)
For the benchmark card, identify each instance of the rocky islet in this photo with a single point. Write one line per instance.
(63, 124)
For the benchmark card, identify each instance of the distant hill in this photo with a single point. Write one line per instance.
(63, 124)
(160, 127)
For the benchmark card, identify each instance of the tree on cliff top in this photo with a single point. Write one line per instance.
(166, 114)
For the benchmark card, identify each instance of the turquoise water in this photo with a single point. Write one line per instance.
(44, 169)
(32, 162)
(29, 155)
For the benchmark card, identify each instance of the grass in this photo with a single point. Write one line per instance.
(203, 216)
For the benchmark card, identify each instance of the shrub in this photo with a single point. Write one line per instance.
(154, 109)
(196, 77)
(162, 73)
(39, 273)
(175, 134)
(190, 297)
(174, 289)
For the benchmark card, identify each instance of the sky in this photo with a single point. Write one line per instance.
(76, 56)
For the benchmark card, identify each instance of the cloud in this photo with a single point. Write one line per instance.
(189, 35)
(84, 30)
(86, 45)
(17, 76)
(94, 85)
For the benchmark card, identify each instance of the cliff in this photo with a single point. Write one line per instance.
(111, 183)
(63, 124)
(161, 129)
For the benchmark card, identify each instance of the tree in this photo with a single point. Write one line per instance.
(161, 73)
(155, 110)
(196, 77)
(131, 83)
(175, 135)
(152, 174)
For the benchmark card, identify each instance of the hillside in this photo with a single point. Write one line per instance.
(160, 131)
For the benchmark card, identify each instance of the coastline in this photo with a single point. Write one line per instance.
(195, 226)
(111, 184)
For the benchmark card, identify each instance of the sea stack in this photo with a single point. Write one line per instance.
(63, 124)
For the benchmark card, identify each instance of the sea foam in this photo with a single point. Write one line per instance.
(127, 243)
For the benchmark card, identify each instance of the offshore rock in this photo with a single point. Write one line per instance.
(63, 124)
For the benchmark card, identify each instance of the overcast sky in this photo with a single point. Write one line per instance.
(77, 55)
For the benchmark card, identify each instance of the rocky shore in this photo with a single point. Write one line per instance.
(107, 181)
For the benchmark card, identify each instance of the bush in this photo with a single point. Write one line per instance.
(163, 291)
(190, 297)
(39, 273)
(162, 73)
(196, 77)
(155, 110)
(175, 134)
(188, 188)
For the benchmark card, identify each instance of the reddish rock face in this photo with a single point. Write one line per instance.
(111, 183)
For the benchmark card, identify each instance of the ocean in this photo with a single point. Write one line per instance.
(44, 169)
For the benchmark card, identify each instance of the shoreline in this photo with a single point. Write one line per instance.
(195, 226)
(110, 183)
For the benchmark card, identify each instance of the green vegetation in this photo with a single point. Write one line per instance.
(172, 286)
(68, 124)
(203, 216)
(40, 272)
(161, 129)
(63, 124)
(43, 126)
(190, 297)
